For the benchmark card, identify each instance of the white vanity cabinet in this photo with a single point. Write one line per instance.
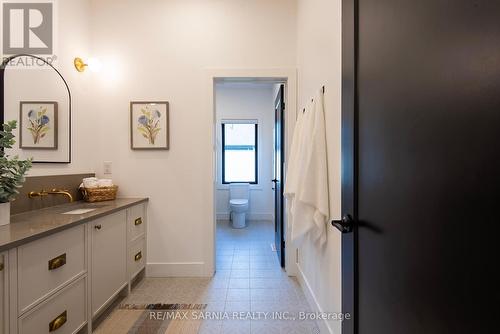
(61, 282)
(63, 313)
(47, 264)
(49, 282)
(3, 294)
(109, 259)
(136, 240)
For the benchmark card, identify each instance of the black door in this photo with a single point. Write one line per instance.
(279, 109)
(421, 165)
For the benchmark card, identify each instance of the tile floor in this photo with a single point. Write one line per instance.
(248, 279)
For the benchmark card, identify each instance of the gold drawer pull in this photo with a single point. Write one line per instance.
(138, 221)
(57, 262)
(138, 256)
(58, 322)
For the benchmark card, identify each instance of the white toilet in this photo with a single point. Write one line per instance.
(238, 203)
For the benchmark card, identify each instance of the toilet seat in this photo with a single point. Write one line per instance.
(238, 201)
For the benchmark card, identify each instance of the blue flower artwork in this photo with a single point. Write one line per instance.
(38, 125)
(149, 123)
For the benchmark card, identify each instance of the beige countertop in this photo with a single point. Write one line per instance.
(32, 225)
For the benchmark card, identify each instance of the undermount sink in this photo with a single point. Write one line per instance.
(78, 211)
(86, 208)
(93, 206)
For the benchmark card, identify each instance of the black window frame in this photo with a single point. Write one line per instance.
(256, 154)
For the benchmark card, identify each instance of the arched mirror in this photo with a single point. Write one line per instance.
(39, 98)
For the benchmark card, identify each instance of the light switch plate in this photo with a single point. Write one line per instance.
(108, 167)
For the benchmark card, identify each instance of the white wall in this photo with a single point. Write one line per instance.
(248, 101)
(162, 50)
(73, 39)
(319, 63)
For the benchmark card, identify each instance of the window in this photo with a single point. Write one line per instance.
(239, 152)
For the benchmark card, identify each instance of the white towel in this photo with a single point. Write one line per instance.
(293, 167)
(307, 183)
(90, 182)
(105, 183)
(93, 182)
(295, 164)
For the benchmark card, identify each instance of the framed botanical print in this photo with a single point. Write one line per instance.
(149, 125)
(38, 125)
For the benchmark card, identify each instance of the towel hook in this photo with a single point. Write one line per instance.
(312, 100)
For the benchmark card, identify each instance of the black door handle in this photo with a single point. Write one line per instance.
(344, 225)
(274, 180)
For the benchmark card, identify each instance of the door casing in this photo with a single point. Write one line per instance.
(287, 75)
(349, 163)
(279, 121)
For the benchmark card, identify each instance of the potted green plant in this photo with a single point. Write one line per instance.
(12, 171)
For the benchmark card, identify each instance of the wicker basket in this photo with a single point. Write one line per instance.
(99, 194)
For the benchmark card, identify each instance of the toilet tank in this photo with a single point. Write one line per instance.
(239, 190)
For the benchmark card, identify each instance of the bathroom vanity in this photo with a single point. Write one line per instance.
(62, 266)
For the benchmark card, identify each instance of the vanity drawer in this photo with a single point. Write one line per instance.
(4, 303)
(63, 313)
(136, 257)
(48, 263)
(136, 221)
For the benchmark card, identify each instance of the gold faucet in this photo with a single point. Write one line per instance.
(33, 194)
(61, 192)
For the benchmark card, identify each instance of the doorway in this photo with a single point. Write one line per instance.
(250, 141)
(286, 76)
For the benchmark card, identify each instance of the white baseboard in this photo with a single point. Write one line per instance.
(250, 216)
(176, 269)
(324, 326)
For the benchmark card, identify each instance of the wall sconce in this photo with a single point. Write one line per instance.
(93, 64)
